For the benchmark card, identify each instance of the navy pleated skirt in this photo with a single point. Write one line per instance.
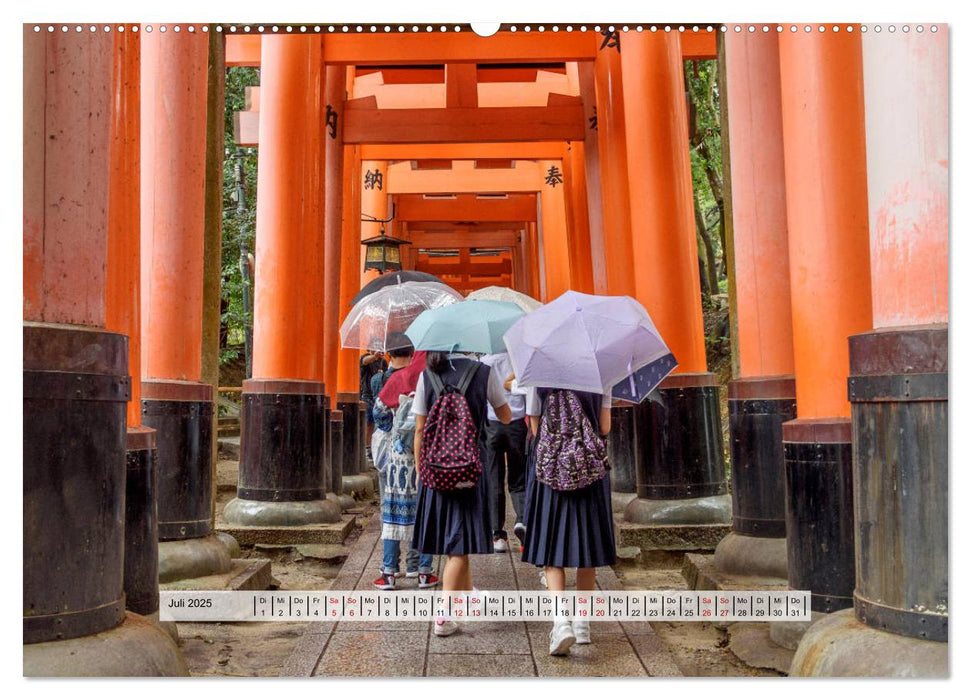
(568, 529)
(453, 522)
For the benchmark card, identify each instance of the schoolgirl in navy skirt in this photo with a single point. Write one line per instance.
(569, 529)
(456, 523)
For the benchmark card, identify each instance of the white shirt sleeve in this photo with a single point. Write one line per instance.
(418, 407)
(606, 402)
(534, 406)
(495, 393)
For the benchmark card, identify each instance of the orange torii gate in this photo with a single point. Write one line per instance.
(838, 289)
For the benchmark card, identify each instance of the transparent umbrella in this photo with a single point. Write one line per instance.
(378, 321)
(523, 301)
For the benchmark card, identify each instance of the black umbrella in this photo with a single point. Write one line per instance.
(394, 278)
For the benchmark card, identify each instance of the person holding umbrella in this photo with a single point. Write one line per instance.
(575, 353)
(375, 323)
(450, 402)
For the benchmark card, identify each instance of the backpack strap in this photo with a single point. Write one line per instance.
(467, 376)
(435, 381)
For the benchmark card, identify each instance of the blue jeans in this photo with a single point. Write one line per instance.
(413, 560)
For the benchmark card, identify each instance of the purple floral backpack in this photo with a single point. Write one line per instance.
(449, 456)
(569, 453)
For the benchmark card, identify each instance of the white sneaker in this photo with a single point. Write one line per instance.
(500, 545)
(581, 628)
(411, 574)
(445, 627)
(561, 638)
(542, 578)
(519, 530)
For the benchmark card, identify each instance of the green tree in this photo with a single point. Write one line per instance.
(238, 227)
(704, 126)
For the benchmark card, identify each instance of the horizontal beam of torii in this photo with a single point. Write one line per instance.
(424, 48)
(463, 177)
(465, 207)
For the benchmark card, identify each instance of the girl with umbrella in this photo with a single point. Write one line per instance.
(455, 521)
(575, 353)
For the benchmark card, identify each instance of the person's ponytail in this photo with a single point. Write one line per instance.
(436, 361)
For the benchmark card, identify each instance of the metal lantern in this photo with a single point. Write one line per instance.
(383, 253)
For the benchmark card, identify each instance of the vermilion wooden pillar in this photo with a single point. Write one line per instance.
(898, 386)
(75, 373)
(350, 270)
(594, 187)
(335, 89)
(553, 232)
(123, 275)
(612, 156)
(762, 396)
(283, 449)
(829, 278)
(348, 361)
(578, 225)
(173, 167)
(680, 438)
(374, 202)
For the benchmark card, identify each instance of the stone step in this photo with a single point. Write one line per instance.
(228, 446)
(245, 575)
(700, 573)
(323, 533)
(670, 538)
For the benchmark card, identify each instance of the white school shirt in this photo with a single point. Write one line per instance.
(494, 391)
(516, 397)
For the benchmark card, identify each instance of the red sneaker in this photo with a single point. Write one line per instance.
(385, 582)
(427, 580)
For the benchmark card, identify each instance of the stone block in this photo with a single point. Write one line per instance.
(324, 533)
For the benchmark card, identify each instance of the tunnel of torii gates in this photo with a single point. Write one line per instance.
(541, 162)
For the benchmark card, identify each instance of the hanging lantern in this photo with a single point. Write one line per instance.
(383, 253)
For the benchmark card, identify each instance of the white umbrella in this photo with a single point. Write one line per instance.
(601, 344)
(523, 301)
(378, 321)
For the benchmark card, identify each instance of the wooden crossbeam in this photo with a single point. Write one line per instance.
(448, 241)
(463, 178)
(423, 49)
(491, 269)
(537, 150)
(465, 207)
(463, 124)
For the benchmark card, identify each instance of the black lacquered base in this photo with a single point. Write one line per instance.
(283, 441)
(75, 393)
(680, 449)
(622, 449)
(757, 408)
(336, 439)
(181, 414)
(819, 511)
(352, 443)
(898, 390)
(141, 522)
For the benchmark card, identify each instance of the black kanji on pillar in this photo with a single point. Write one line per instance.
(611, 39)
(554, 177)
(373, 180)
(331, 121)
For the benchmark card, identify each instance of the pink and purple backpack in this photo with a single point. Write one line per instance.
(569, 453)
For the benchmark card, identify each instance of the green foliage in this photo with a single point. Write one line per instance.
(238, 227)
(706, 148)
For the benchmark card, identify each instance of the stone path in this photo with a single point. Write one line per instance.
(504, 649)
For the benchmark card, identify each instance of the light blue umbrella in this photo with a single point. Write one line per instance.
(590, 343)
(468, 326)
